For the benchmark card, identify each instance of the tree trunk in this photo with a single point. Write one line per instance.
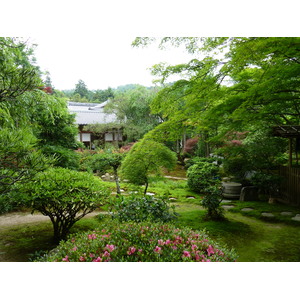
(117, 182)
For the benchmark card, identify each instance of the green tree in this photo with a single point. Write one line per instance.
(81, 89)
(146, 157)
(18, 74)
(103, 95)
(132, 108)
(240, 83)
(65, 196)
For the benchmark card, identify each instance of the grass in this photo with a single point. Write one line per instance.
(253, 237)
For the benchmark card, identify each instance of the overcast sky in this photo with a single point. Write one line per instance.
(101, 62)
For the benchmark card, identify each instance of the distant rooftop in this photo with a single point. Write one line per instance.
(91, 113)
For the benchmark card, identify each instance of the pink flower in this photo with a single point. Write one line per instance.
(205, 260)
(131, 250)
(174, 247)
(106, 254)
(160, 242)
(157, 250)
(194, 247)
(92, 255)
(168, 242)
(210, 250)
(74, 249)
(98, 259)
(110, 248)
(66, 258)
(92, 236)
(81, 258)
(186, 254)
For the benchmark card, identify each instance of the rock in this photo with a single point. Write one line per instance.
(226, 201)
(227, 207)
(190, 198)
(268, 215)
(286, 213)
(247, 209)
(296, 218)
(249, 193)
(150, 194)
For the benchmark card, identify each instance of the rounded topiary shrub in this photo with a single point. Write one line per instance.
(202, 175)
(139, 242)
(140, 208)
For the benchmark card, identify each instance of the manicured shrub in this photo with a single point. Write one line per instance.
(140, 208)
(201, 176)
(140, 242)
(65, 196)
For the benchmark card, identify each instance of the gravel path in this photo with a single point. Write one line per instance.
(18, 218)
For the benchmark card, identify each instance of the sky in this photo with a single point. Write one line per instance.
(101, 62)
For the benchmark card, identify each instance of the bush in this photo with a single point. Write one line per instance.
(211, 201)
(201, 176)
(195, 160)
(65, 196)
(141, 208)
(142, 242)
(65, 158)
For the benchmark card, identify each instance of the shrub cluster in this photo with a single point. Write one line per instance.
(202, 175)
(141, 208)
(140, 242)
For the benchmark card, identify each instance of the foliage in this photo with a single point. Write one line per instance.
(267, 182)
(145, 157)
(105, 161)
(141, 208)
(241, 84)
(18, 74)
(144, 242)
(197, 159)
(19, 162)
(211, 201)
(201, 176)
(65, 158)
(81, 89)
(65, 196)
(132, 108)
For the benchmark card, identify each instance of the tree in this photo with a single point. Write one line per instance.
(65, 196)
(107, 160)
(146, 157)
(18, 74)
(132, 108)
(240, 83)
(81, 89)
(103, 95)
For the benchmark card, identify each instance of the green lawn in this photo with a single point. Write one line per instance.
(253, 237)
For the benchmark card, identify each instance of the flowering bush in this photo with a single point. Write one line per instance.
(142, 242)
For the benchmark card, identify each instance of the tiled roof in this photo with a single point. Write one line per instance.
(90, 113)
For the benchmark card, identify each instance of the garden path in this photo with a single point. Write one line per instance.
(18, 218)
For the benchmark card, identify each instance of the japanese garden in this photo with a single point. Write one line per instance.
(204, 168)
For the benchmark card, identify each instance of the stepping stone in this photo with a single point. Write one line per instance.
(227, 206)
(226, 201)
(266, 214)
(150, 194)
(247, 209)
(133, 192)
(296, 218)
(172, 198)
(190, 198)
(121, 190)
(286, 213)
